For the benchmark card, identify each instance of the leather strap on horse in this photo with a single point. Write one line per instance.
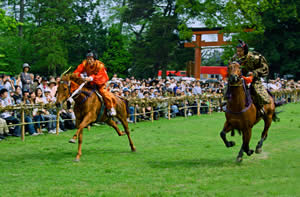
(88, 94)
(248, 79)
(248, 101)
(76, 91)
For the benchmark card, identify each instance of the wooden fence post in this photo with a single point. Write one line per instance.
(22, 126)
(152, 116)
(198, 107)
(134, 113)
(57, 121)
(209, 106)
(184, 107)
(169, 111)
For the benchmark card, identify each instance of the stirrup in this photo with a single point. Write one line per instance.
(262, 112)
(112, 112)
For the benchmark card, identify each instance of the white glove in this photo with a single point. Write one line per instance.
(89, 78)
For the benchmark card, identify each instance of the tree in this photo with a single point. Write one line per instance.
(90, 32)
(275, 25)
(54, 28)
(116, 58)
(10, 57)
(156, 45)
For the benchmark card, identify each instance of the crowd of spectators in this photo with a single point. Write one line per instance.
(159, 88)
(28, 88)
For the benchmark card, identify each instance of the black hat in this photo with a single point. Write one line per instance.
(243, 45)
(91, 54)
(44, 79)
(3, 90)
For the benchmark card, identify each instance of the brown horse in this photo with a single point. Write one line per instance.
(87, 109)
(241, 113)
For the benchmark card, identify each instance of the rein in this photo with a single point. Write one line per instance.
(78, 91)
(248, 100)
(88, 94)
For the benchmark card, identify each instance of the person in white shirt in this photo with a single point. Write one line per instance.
(197, 89)
(7, 115)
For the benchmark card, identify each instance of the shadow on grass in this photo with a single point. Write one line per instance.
(191, 163)
(41, 156)
(56, 155)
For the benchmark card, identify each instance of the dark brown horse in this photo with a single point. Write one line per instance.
(87, 109)
(241, 113)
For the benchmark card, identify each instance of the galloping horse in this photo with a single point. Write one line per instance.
(241, 113)
(87, 108)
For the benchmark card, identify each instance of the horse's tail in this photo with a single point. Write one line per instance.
(279, 103)
(275, 117)
(126, 105)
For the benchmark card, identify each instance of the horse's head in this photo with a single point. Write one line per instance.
(63, 90)
(234, 74)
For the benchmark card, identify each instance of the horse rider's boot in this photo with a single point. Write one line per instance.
(223, 106)
(262, 111)
(112, 112)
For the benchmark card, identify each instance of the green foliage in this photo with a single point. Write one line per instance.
(10, 59)
(276, 30)
(116, 58)
(50, 51)
(56, 33)
(211, 58)
(157, 45)
(89, 32)
(275, 25)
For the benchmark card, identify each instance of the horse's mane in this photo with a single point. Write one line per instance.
(73, 77)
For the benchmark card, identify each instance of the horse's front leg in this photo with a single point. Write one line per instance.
(227, 127)
(85, 122)
(245, 146)
(75, 136)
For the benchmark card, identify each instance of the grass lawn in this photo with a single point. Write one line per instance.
(180, 157)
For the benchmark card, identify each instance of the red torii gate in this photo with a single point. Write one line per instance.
(198, 32)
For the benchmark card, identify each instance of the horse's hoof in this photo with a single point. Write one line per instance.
(72, 141)
(76, 160)
(231, 144)
(258, 150)
(133, 149)
(250, 152)
(239, 159)
(123, 133)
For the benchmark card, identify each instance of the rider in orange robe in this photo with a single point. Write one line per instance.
(96, 74)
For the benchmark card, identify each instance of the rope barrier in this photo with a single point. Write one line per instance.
(293, 95)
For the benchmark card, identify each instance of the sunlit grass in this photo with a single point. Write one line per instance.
(180, 157)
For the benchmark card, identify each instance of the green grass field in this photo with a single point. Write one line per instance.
(180, 157)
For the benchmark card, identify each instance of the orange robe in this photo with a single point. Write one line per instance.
(97, 71)
(100, 77)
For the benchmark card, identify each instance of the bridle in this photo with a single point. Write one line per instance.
(78, 91)
(238, 84)
(68, 84)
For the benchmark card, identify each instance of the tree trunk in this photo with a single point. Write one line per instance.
(21, 19)
(122, 18)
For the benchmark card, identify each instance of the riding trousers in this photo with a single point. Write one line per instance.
(108, 97)
(261, 96)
